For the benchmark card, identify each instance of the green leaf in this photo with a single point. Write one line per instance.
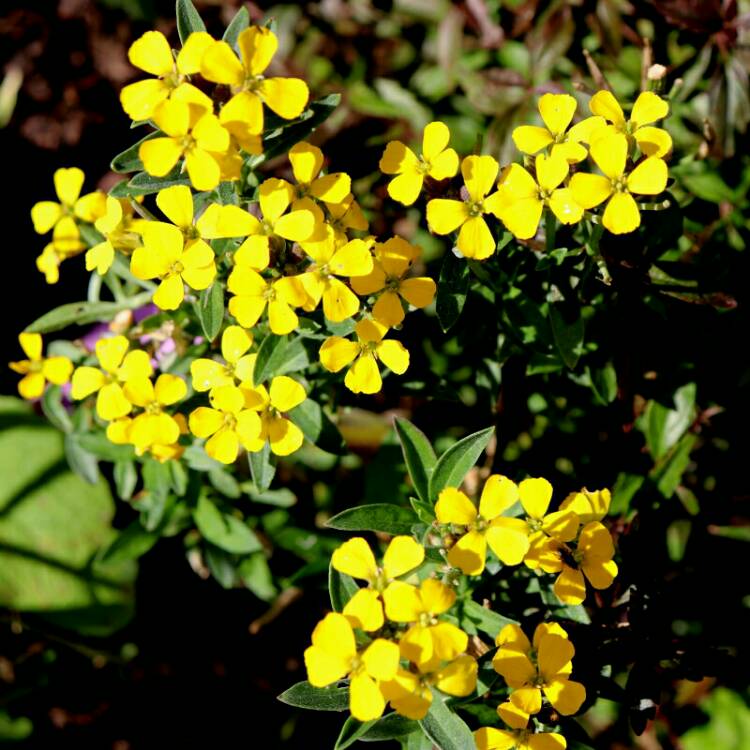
(80, 460)
(130, 544)
(667, 474)
(390, 727)
(144, 184)
(238, 24)
(256, 575)
(604, 383)
(98, 445)
(126, 478)
(728, 724)
(568, 336)
(663, 426)
(317, 427)
(83, 313)
(221, 565)
(445, 728)
(486, 620)
(128, 160)
(383, 517)
(54, 410)
(278, 356)
(454, 464)
(224, 530)
(262, 467)
(210, 309)
(188, 20)
(304, 695)
(224, 483)
(419, 456)
(351, 732)
(452, 288)
(341, 588)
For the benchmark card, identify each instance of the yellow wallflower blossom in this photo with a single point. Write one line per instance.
(507, 537)
(648, 108)
(118, 366)
(238, 365)
(527, 197)
(192, 132)
(588, 506)
(557, 112)
(121, 231)
(68, 183)
(591, 558)
(548, 672)
(307, 162)
(166, 256)
(242, 115)
(364, 376)
(621, 215)
(319, 281)
(392, 262)
(445, 215)
(409, 693)
(272, 403)
(66, 242)
(228, 424)
(152, 54)
(519, 737)
(345, 216)
(38, 370)
(428, 642)
(153, 426)
(436, 161)
(333, 656)
(118, 432)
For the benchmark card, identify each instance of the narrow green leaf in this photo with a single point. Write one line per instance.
(80, 460)
(256, 575)
(54, 410)
(452, 288)
(445, 728)
(237, 25)
(419, 456)
(383, 517)
(341, 588)
(262, 467)
(98, 445)
(454, 464)
(351, 732)
(221, 565)
(129, 160)
(224, 530)
(144, 184)
(486, 620)
(277, 355)
(668, 472)
(568, 336)
(188, 20)
(129, 544)
(317, 427)
(304, 695)
(210, 309)
(126, 478)
(390, 727)
(662, 426)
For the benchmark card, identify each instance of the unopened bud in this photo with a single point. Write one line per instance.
(656, 72)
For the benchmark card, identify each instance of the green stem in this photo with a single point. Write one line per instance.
(550, 229)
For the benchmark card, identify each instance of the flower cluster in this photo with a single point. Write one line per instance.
(629, 153)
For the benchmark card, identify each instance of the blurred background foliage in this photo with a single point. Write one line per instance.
(637, 378)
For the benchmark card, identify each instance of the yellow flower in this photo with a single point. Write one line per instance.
(364, 376)
(192, 132)
(37, 370)
(621, 215)
(242, 115)
(557, 112)
(154, 426)
(519, 737)
(588, 506)
(165, 255)
(68, 183)
(118, 432)
(354, 558)
(66, 242)
(343, 217)
(592, 557)
(275, 197)
(118, 366)
(507, 537)
(121, 231)
(333, 656)
(307, 161)
(648, 108)
(409, 693)
(319, 281)
(228, 424)
(392, 262)
(436, 161)
(238, 366)
(428, 642)
(445, 216)
(283, 395)
(152, 54)
(543, 668)
(527, 197)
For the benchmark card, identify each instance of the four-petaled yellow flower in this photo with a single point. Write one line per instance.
(37, 370)
(238, 366)
(152, 54)
(527, 197)
(364, 375)
(436, 161)
(228, 424)
(307, 162)
(192, 132)
(165, 255)
(392, 262)
(557, 112)
(118, 367)
(519, 737)
(610, 152)
(588, 506)
(242, 115)
(445, 215)
(648, 108)
(333, 656)
(66, 242)
(121, 231)
(507, 537)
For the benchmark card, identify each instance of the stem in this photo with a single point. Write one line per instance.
(550, 229)
(141, 210)
(95, 286)
(113, 282)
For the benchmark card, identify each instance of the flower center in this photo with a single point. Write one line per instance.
(476, 208)
(175, 269)
(153, 408)
(252, 83)
(620, 184)
(392, 283)
(230, 421)
(423, 166)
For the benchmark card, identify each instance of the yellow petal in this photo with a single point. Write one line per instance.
(32, 386)
(596, 540)
(535, 495)
(249, 428)
(334, 635)
(407, 694)
(512, 637)
(418, 291)
(649, 107)
(139, 100)
(91, 207)
(159, 155)
(621, 214)
(210, 135)
(649, 177)
(588, 505)
(570, 151)
(86, 380)
(445, 216)
(557, 111)
(402, 555)
(590, 190)
(223, 446)
(354, 558)
(444, 165)
(514, 666)
(388, 309)
(437, 597)
(554, 653)
(227, 398)
(111, 402)
(566, 696)
(498, 494)
(562, 525)
(190, 56)
(45, 215)
(31, 343)
(550, 171)
(522, 218)
(257, 44)
(68, 184)
(286, 393)
(469, 553)
(307, 161)
(454, 507)
(235, 341)
(203, 169)
(397, 158)
(254, 252)
(173, 117)
(219, 64)
(170, 293)
(381, 659)
(242, 115)
(110, 352)
(247, 310)
(176, 203)
(336, 353)
(169, 389)
(363, 376)
(475, 239)
(547, 741)
(601, 573)
(512, 715)
(366, 702)
(353, 259)
(508, 539)
(610, 152)
(369, 331)
(287, 97)
(405, 188)
(458, 678)
(199, 268)
(324, 668)
(653, 141)
(489, 738)
(332, 188)
(204, 422)
(135, 364)
(434, 139)
(569, 587)
(402, 602)
(530, 138)
(527, 699)
(152, 53)
(57, 369)
(604, 104)
(275, 196)
(565, 207)
(518, 184)
(100, 257)
(394, 355)
(365, 610)
(479, 173)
